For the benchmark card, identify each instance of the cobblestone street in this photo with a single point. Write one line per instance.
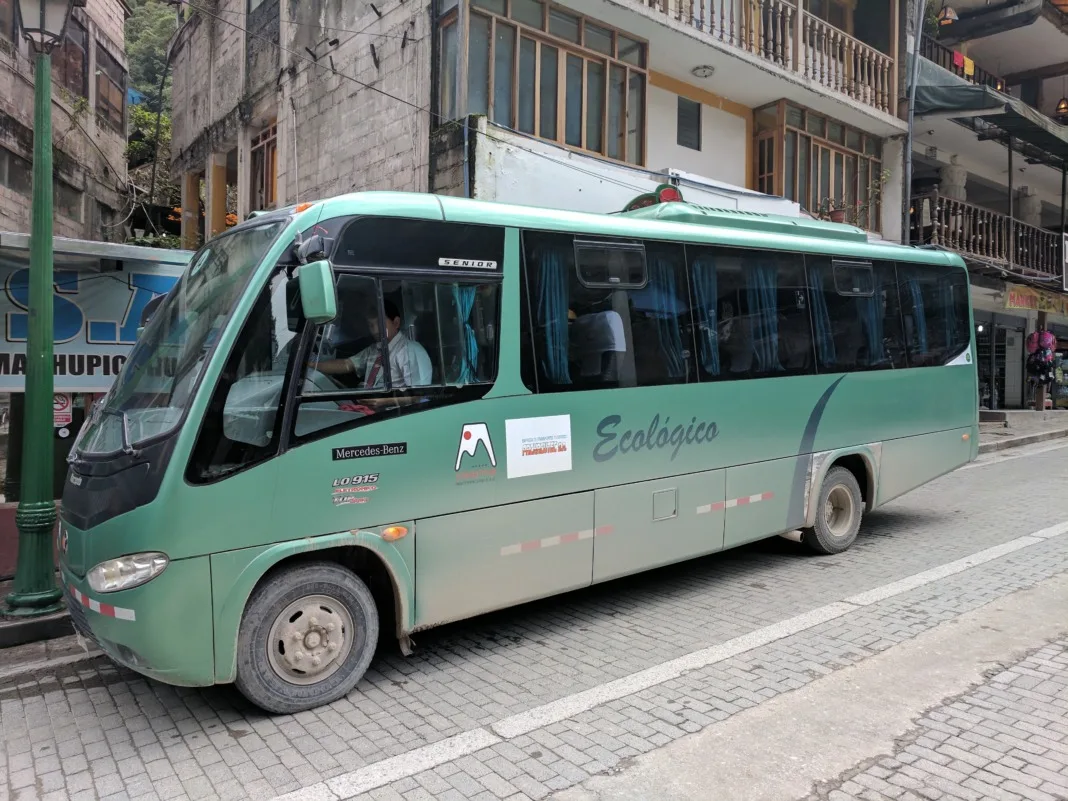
(1007, 740)
(539, 700)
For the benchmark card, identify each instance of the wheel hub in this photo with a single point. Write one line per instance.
(310, 639)
(838, 511)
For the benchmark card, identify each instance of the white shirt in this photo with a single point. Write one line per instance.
(409, 364)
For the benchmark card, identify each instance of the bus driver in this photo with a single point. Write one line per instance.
(409, 363)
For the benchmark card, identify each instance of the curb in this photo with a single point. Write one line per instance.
(1026, 439)
(22, 631)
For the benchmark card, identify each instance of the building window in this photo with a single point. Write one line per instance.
(7, 20)
(265, 169)
(70, 63)
(16, 173)
(68, 200)
(689, 124)
(110, 89)
(822, 164)
(547, 72)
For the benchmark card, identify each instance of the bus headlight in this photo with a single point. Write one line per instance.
(127, 571)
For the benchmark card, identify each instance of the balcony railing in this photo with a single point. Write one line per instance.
(777, 31)
(974, 231)
(950, 60)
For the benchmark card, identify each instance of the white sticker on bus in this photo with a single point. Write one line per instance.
(538, 445)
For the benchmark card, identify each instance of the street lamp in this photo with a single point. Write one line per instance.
(43, 23)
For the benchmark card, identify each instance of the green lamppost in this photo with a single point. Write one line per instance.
(43, 23)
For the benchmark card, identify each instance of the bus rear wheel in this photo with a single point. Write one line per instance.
(839, 508)
(306, 638)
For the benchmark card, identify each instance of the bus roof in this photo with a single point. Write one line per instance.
(677, 221)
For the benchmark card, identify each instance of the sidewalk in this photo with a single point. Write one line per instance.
(1020, 428)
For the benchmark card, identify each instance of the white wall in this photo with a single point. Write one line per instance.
(723, 138)
(892, 198)
(511, 168)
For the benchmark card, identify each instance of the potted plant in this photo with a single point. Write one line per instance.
(832, 209)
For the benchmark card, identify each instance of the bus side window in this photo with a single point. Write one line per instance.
(856, 316)
(399, 346)
(242, 423)
(935, 305)
(751, 313)
(602, 313)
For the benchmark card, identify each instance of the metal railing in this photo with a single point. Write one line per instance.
(975, 231)
(794, 40)
(947, 60)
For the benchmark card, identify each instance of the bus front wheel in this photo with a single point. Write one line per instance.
(306, 638)
(838, 511)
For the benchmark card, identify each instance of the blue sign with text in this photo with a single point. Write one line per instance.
(94, 324)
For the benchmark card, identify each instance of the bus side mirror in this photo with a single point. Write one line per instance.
(317, 295)
(140, 330)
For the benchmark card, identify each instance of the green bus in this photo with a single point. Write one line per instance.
(391, 411)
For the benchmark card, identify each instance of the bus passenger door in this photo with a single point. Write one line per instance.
(640, 526)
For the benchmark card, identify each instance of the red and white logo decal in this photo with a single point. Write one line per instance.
(470, 437)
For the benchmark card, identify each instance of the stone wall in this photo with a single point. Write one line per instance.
(88, 156)
(359, 108)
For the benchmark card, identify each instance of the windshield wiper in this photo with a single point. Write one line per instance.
(127, 448)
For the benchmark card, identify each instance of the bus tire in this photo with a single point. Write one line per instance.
(307, 637)
(839, 508)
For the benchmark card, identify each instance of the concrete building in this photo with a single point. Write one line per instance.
(88, 117)
(588, 102)
(991, 155)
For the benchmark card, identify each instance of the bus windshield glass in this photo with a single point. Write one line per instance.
(157, 383)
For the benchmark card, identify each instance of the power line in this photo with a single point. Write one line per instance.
(413, 105)
(361, 32)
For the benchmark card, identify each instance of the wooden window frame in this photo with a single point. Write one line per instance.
(543, 38)
(60, 60)
(104, 108)
(819, 143)
(264, 145)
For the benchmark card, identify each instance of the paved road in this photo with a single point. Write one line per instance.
(533, 701)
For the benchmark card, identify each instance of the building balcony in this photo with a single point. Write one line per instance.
(794, 39)
(986, 236)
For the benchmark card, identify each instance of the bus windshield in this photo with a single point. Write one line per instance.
(158, 381)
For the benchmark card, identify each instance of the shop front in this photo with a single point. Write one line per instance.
(1006, 314)
(100, 294)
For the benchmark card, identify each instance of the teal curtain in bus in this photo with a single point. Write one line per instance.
(706, 293)
(870, 311)
(551, 313)
(763, 316)
(821, 317)
(464, 298)
(919, 322)
(666, 313)
(949, 310)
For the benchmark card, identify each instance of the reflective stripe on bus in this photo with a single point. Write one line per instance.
(743, 501)
(559, 539)
(107, 610)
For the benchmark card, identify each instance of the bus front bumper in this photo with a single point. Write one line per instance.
(162, 629)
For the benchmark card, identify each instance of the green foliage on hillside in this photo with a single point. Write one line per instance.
(148, 31)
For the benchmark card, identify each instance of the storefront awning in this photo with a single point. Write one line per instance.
(989, 112)
(80, 254)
